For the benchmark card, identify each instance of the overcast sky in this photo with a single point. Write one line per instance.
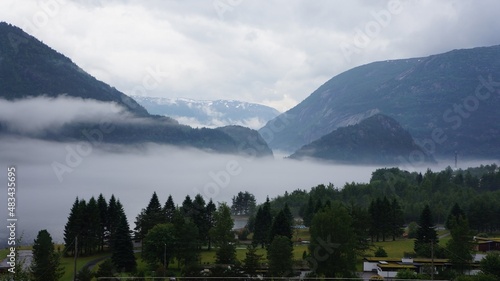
(270, 52)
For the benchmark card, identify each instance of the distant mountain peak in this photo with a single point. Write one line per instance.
(45, 80)
(209, 113)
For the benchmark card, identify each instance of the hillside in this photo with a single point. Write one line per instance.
(208, 113)
(376, 140)
(30, 68)
(32, 72)
(434, 98)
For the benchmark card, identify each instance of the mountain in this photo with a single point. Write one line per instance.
(30, 70)
(448, 102)
(250, 142)
(206, 113)
(378, 139)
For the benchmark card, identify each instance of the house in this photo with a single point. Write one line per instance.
(389, 267)
(487, 244)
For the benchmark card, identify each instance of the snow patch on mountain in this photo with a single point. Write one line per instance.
(208, 113)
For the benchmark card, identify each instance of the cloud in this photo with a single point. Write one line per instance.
(276, 51)
(41, 114)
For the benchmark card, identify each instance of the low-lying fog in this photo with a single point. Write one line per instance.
(50, 175)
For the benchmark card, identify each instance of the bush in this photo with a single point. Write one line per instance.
(380, 252)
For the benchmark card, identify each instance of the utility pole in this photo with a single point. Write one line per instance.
(165, 258)
(432, 259)
(76, 255)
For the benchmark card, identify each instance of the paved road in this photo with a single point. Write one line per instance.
(24, 257)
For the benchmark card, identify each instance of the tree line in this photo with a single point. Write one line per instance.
(99, 225)
(477, 190)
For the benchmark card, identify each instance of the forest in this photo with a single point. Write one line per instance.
(342, 224)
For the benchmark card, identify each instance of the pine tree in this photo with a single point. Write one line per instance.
(187, 207)
(209, 212)
(102, 205)
(169, 209)
(113, 217)
(385, 218)
(396, 219)
(122, 254)
(93, 226)
(309, 211)
(252, 261)
(258, 235)
(288, 214)
(280, 227)
(187, 245)
(426, 234)
(149, 217)
(71, 228)
(263, 222)
(455, 213)
(45, 265)
(83, 226)
(200, 218)
(459, 247)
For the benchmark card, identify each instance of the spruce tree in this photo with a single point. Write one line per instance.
(45, 265)
(288, 214)
(252, 261)
(187, 207)
(200, 218)
(151, 216)
(309, 211)
(71, 228)
(426, 234)
(102, 205)
(93, 226)
(209, 212)
(122, 254)
(459, 247)
(263, 222)
(169, 209)
(280, 227)
(455, 213)
(113, 216)
(396, 219)
(258, 235)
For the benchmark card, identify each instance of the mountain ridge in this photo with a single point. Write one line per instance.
(416, 92)
(378, 139)
(31, 69)
(209, 113)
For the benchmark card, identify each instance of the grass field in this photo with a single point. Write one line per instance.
(68, 264)
(395, 249)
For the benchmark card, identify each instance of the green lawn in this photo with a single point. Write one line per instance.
(68, 264)
(396, 249)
